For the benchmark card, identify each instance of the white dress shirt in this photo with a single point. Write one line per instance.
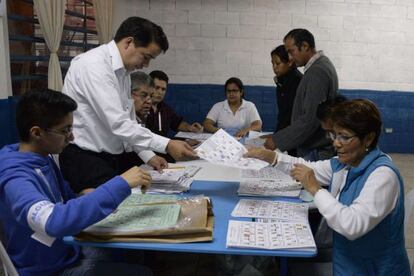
(376, 200)
(105, 119)
(222, 115)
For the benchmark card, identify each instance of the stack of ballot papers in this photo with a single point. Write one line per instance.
(224, 149)
(268, 181)
(171, 181)
(279, 225)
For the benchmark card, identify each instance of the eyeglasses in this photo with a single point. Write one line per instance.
(67, 131)
(232, 90)
(143, 95)
(341, 138)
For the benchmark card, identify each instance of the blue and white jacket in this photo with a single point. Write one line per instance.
(38, 208)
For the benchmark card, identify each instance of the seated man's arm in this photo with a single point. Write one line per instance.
(195, 127)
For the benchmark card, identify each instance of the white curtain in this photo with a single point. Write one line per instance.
(103, 20)
(51, 15)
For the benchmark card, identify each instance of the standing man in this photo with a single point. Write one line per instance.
(319, 83)
(104, 124)
(162, 117)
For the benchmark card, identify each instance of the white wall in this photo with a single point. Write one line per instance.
(5, 78)
(371, 42)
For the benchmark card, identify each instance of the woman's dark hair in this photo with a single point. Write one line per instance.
(360, 116)
(281, 52)
(157, 74)
(300, 36)
(44, 108)
(143, 31)
(237, 82)
(325, 107)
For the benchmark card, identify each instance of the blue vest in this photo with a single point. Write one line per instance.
(382, 250)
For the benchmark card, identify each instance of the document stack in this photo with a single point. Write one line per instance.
(171, 181)
(268, 182)
(278, 225)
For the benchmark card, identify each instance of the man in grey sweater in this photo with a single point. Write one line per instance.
(319, 83)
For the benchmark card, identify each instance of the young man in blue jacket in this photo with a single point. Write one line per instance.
(37, 206)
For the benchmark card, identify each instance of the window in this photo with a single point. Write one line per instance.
(29, 55)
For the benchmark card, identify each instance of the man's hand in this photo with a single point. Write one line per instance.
(86, 191)
(195, 127)
(192, 142)
(158, 163)
(261, 153)
(269, 144)
(137, 177)
(181, 151)
(306, 176)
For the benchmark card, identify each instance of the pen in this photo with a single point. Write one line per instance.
(159, 121)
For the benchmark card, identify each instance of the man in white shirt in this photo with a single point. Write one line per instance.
(104, 124)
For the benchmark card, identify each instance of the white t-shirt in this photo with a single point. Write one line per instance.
(222, 115)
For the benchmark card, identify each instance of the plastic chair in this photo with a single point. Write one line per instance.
(8, 266)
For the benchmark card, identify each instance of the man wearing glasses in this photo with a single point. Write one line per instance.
(105, 125)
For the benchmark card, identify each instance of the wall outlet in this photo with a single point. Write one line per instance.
(389, 130)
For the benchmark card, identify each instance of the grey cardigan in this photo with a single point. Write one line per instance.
(319, 83)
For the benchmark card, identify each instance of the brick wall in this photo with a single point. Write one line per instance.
(371, 42)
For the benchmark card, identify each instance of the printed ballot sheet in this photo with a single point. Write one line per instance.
(223, 149)
(283, 210)
(136, 218)
(263, 187)
(268, 181)
(274, 235)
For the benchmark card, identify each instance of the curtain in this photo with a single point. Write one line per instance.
(51, 15)
(103, 20)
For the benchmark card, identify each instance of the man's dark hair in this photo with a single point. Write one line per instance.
(300, 36)
(281, 52)
(360, 116)
(44, 108)
(143, 31)
(157, 74)
(323, 112)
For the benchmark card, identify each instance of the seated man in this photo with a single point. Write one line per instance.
(162, 117)
(142, 88)
(38, 208)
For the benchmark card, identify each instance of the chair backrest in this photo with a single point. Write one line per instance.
(408, 206)
(8, 266)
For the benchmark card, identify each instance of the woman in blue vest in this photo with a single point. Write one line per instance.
(364, 199)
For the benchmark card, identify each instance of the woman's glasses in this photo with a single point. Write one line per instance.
(343, 139)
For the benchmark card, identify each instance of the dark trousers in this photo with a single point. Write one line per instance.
(87, 169)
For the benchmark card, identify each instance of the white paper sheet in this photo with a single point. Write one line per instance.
(223, 149)
(275, 235)
(283, 210)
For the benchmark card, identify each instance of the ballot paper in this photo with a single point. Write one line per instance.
(274, 235)
(192, 135)
(263, 187)
(136, 218)
(283, 210)
(253, 138)
(139, 199)
(174, 180)
(223, 149)
(268, 181)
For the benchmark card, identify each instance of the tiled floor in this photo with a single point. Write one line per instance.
(204, 264)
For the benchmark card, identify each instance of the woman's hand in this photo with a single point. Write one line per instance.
(243, 132)
(306, 176)
(261, 153)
